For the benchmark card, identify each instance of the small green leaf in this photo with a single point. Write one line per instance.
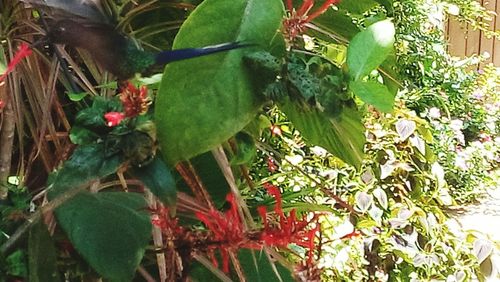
(75, 97)
(15, 264)
(369, 48)
(42, 255)
(204, 101)
(157, 178)
(373, 93)
(110, 230)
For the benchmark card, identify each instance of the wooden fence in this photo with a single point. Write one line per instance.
(465, 42)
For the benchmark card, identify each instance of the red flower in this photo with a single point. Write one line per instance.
(135, 101)
(227, 229)
(275, 130)
(289, 229)
(228, 232)
(271, 165)
(24, 51)
(113, 118)
(162, 219)
(2, 104)
(296, 21)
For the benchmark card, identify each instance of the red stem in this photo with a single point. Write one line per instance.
(321, 10)
(306, 6)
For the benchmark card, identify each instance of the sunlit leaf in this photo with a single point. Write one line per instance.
(369, 48)
(373, 93)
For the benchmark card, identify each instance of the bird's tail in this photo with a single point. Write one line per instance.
(166, 57)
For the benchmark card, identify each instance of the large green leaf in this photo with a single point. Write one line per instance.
(204, 101)
(158, 179)
(369, 48)
(373, 93)
(342, 136)
(42, 255)
(110, 230)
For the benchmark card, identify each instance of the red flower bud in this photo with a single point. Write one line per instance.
(113, 118)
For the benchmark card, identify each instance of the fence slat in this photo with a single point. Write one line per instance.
(467, 42)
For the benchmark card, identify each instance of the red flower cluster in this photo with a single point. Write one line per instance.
(135, 102)
(24, 51)
(289, 229)
(164, 221)
(295, 23)
(227, 229)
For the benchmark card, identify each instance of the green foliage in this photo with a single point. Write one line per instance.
(157, 177)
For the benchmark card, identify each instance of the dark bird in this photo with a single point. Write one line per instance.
(82, 24)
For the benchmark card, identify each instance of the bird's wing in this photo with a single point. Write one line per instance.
(89, 10)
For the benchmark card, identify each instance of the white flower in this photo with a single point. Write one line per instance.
(434, 113)
(461, 162)
(453, 10)
(456, 124)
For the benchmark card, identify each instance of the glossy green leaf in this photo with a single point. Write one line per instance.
(157, 178)
(42, 255)
(204, 101)
(369, 48)
(110, 230)
(87, 162)
(373, 93)
(75, 97)
(342, 136)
